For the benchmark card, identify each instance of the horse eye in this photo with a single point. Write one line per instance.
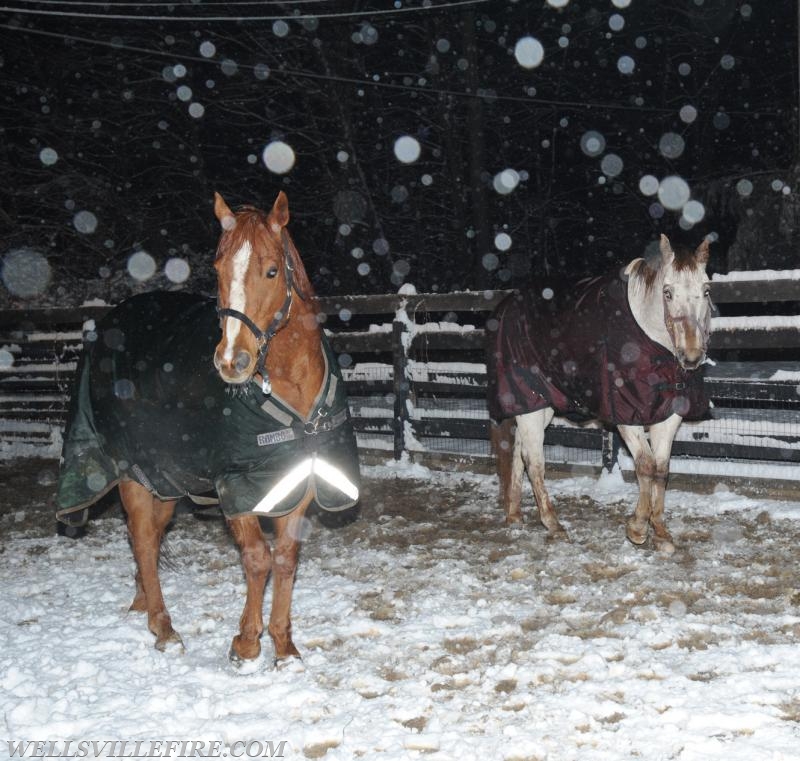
(668, 294)
(707, 293)
(271, 272)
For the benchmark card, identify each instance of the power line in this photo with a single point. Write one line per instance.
(482, 93)
(282, 17)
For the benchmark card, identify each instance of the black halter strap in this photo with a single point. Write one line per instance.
(263, 337)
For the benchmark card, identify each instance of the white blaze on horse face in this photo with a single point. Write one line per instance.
(238, 296)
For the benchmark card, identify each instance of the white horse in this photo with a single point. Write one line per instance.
(669, 299)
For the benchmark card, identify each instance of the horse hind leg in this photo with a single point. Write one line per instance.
(661, 437)
(508, 456)
(530, 433)
(147, 519)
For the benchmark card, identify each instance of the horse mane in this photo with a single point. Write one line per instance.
(648, 272)
(252, 224)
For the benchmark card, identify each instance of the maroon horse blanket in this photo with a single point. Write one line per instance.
(577, 348)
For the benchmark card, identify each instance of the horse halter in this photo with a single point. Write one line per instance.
(263, 337)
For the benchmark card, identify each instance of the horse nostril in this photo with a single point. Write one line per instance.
(242, 362)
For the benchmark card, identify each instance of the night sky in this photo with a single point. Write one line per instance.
(447, 145)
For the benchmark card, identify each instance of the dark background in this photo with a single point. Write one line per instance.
(143, 154)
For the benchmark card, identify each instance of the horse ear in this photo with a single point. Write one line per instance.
(701, 254)
(279, 216)
(667, 254)
(223, 213)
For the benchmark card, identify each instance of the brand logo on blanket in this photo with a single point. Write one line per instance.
(276, 437)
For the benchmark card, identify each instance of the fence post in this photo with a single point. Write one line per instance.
(610, 450)
(401, 387)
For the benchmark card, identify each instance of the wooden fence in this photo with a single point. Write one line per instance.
(415, 371)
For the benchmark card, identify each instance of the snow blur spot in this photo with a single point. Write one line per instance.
(442, 45)
(280, 28)
(620, 3)
(96, 482)
(547, 294)
(345, 314)
(344, 360)
(688, 114)
(648, 185)
(616, 22)
(677, 608)
(401, 267)
(506, 181)
(363, 269)
(558, 3)
(502, 241)
(399, 193)
(593, 143)
(656, 210)
(407, 149)
(6, 359)
(490, 262)
(177, 270)
(278, 157)
(301, 529)
(208, 49)
(342, 157)
(141, 266)
(744, 188)
(48, 156)
(611, 165)
(85, 222)
(196, 110)
(124, 389)
(694, 212)
(357, 253)
(630, 352)
(776, 185)
(727, 62)
(746, 10)
(684, 69)
(626, 64)
(261, 71)
(721, 120)
(673, 192)
(184, 93)
(380, 246)
(179, 70)
(529, 52)
(671, 145)
(426, 180)
(25, 272)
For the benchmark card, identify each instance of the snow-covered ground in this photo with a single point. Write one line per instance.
(428, 630)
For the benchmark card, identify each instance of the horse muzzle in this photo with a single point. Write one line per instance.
(237, 369)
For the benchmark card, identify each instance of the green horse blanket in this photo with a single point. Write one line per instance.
(149, 406)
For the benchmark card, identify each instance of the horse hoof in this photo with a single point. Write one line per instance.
(559, 535)
(514, 521)
(245, 666)
(636, 535)
(171, 643)
(291, 663)
(664, 545)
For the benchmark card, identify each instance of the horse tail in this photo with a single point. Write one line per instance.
(502, 437)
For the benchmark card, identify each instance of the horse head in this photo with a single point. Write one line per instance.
(259, 273)
(670, 298)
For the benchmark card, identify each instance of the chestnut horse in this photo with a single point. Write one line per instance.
(276, 395)
(622, 349)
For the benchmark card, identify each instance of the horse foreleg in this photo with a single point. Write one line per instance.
(645, 464)
(288, 535)
(147, 519)
(530, 434)
(661, 437)
(257, 562)
(508, 456)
